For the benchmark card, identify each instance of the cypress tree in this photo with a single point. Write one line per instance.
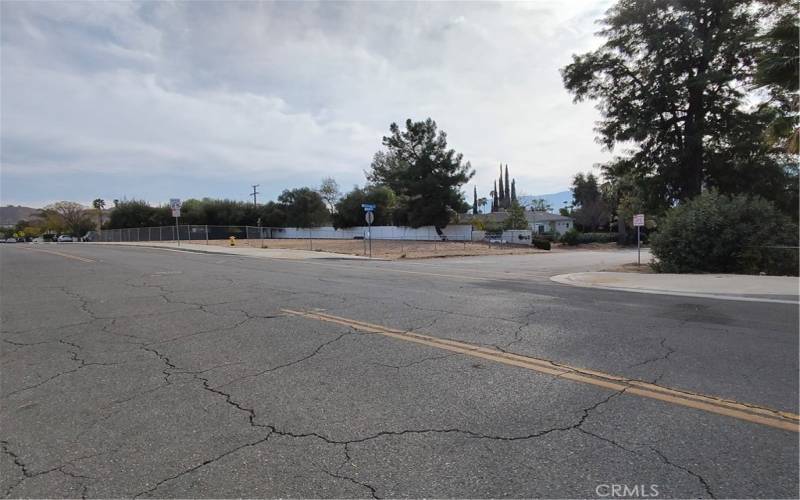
(513, 190)
(501, 198)
(508, 190)
(474, 200)
(494, 197)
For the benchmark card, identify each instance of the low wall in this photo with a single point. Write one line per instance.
(185, 232)
(425, 233)
(517, 237)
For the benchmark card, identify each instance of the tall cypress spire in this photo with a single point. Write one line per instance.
(513, 190)
(501, 197)
(508, 190)
(474, 200)
(494, 197)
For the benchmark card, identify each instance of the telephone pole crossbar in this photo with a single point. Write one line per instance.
(254, 193)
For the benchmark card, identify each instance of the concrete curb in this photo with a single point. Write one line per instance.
(579, 279)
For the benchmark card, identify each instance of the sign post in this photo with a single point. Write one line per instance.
(369, 216)
(638, 222)
(175, 205)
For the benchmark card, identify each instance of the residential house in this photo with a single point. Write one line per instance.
(538, 221)
(546, 222)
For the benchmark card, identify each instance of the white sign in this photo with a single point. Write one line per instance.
(370, 216)
(638, 220)
(175, 205)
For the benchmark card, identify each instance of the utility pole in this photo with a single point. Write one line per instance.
(255, 203)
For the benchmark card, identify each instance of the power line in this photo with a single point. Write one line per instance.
(254, 193)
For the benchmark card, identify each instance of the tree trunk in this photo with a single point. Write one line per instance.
(692, 175)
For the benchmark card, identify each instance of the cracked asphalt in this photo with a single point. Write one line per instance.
(139, 372)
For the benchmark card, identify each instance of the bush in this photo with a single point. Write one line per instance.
(570, 237)
(596, 237)
(717, 233)
(541, 243)
(573, 237)
(549, 236)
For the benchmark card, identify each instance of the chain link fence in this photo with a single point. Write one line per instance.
(207, 233)
(384, 241)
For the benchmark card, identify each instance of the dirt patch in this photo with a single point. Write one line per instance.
(632, 268)
(387, 249)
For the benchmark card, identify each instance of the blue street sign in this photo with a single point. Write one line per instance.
(369, 207)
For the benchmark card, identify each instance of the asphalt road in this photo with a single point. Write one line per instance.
(135, 372)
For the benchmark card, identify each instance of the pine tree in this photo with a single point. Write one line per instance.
(672, 81)
(423, 172)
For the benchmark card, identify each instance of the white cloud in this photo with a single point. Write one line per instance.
(283, 93)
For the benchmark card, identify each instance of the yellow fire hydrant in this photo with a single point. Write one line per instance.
(233, 241)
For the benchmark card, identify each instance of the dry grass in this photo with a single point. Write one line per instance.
(388, 249)
(644, 268)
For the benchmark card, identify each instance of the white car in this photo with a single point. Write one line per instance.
(64, 238)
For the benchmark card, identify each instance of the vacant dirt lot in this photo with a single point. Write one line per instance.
(389, 249)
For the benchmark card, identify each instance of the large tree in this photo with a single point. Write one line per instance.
(350, 213)
(74, 216)
(304, 207)
(671, 82)
(423, 172)
(778, 71)
(591, 210)
(329, 190)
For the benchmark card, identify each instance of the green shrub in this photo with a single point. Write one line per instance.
(722, 234)
(549, 236)
(570, 237)
(573, 237)
(541, 243)
(596, 237)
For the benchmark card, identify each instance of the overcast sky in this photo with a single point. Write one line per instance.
(192, 99)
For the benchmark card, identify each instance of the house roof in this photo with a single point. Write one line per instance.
(546, 217)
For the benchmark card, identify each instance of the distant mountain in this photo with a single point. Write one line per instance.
(555, 200)
(11, 214)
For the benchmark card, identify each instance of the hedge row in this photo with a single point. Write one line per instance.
(573, 237)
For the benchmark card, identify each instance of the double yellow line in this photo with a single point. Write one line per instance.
(742, 411)
(69, 256)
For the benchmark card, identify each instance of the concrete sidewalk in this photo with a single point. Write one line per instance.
(264, 253)
(781, 289)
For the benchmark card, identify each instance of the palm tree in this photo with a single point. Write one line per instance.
(98, 205)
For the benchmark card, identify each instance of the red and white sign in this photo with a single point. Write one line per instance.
(175, 205)
(638, 220)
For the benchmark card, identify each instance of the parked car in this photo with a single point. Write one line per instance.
(90, 236)
(64, 238)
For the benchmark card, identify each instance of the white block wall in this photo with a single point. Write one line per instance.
(461, 232)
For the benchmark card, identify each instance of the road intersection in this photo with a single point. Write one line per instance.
(142, 372)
